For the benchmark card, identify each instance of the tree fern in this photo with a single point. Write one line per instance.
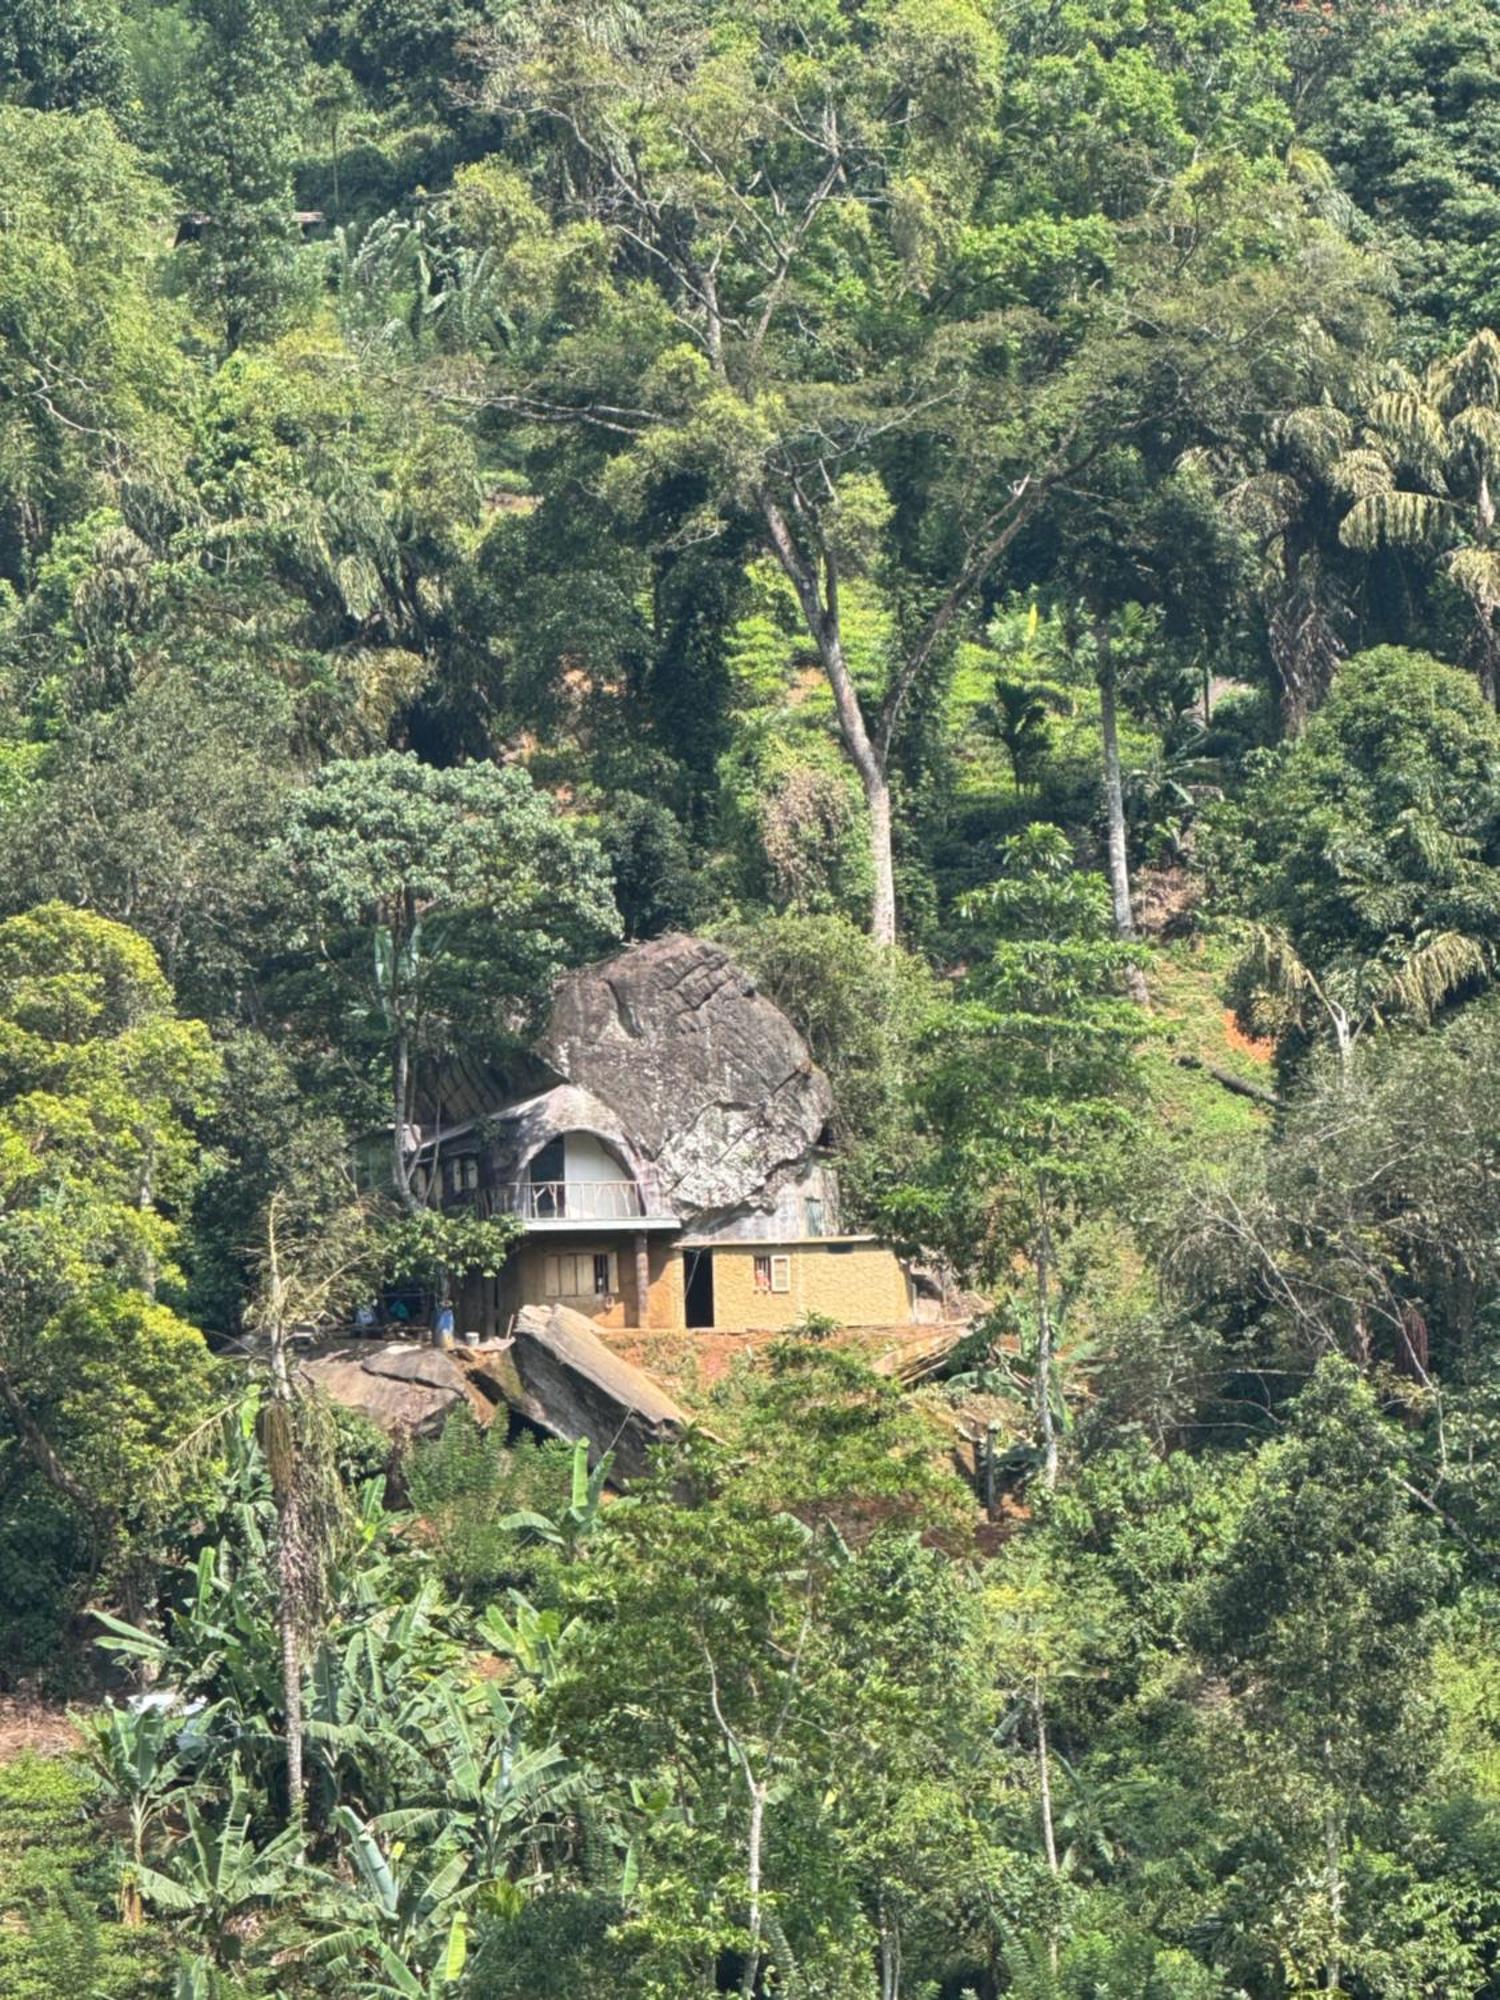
(1470, 376)
(1413, 428)
(1362, 473)
(1475, 434)
(1436, 967)
(1394, 519)
(1317, 434)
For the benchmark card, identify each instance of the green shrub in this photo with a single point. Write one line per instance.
(467, 1484)
(59, 1931)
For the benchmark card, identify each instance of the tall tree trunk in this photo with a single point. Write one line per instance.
(145, 1194)
(1114, 805)
(1046, 1427)
(38, 1448)
(400, 1090)
(758, 1791)
(287, 1536)
(289, 1563)
(1333, 1978)
(870, 763)
(1044, 1780)
(890, 1955)
(1487, 662)
(882, 860)
(819, 599)
(1044, 1775)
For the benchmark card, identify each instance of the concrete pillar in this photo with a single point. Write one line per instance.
(642, 1281)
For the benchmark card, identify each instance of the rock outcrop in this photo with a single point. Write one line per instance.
(560, 1376)
(403, 1389)
(709, 1077)
(553, 1370)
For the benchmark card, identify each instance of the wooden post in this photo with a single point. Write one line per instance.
(642, 1281)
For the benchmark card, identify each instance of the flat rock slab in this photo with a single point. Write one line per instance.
(560, 1375)
(405, 1389)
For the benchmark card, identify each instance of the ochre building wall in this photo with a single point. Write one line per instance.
(487, 1305)
(857, 1284)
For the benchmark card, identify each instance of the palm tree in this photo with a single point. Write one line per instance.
(1408, 981)
(313, 1261)
(1423, 475)
(1290, 512)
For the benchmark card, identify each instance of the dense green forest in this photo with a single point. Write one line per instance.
(987, 508)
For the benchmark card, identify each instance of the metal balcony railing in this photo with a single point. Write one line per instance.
(571, 1201)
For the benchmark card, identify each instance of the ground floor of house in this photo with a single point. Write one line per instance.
(633, 1279)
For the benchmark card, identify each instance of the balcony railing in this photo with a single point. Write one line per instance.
(570, 1201)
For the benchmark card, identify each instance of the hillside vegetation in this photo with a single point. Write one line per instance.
(988, 509)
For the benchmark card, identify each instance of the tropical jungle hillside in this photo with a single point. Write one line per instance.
(985, 510)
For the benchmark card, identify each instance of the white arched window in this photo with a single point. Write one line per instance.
(580, 1177)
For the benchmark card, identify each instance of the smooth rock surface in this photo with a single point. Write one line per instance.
(407, 1390)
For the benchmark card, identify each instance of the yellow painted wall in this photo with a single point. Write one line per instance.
(860, 1285)
(668, 1303)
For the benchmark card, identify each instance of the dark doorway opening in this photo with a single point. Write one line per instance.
(700, 1288)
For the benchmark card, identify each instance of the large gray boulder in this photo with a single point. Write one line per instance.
(708, 1076)
(560, 1375)
(403, 1389)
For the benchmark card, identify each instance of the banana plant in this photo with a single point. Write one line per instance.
(140, 1756)
(402, 1929)
(222, 1643)
(532, 1638)
(216, 1875)
(572, 1527)
(369, 1702)
(500, 1798)
(198, 1980)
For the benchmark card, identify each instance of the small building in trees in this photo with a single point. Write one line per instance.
(670, 1162)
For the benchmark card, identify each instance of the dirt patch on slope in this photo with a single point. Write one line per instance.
(29, 1724)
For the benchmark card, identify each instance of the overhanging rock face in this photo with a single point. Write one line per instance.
(708, 1076)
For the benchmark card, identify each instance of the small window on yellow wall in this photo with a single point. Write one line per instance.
(763, 1274)
(781, 1274)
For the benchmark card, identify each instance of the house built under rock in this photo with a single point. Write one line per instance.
(672, 1168)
